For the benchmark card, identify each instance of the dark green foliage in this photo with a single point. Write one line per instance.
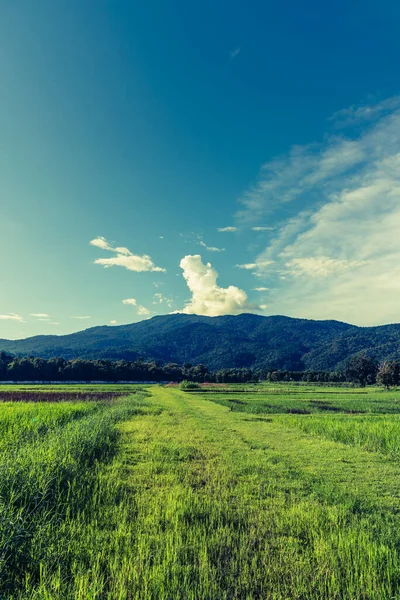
(388, 374)
(361, 370)
(243, 341)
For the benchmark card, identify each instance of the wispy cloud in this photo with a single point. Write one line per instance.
(208, 298)
(366, 112)
(321, 266)
(337, 254)
(113, 322)
(261, 264)
(124, 258)
(40, 315)
(260, 289)
(12, 317)
(84, 317)
(235, 52)
(247, 266)
(262, 228)
(211, 248)
(228, 229)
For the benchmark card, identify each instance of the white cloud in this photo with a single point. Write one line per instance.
(321, 266)
(161, 299)
(124, 258)
(211, 248)
(337, 255)
(262, 228)
(12, 317)
(355, 114)
(207, 297)
(235, 52)
(131, 301)
(141, 310)
(113, 322)
(40, 315)
(260, 289)
(102, 243)
(247, 266)
(84, 317)
(227, 229)
(54, 323)
(262, 264)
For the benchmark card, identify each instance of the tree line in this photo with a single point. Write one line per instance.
(360, 370)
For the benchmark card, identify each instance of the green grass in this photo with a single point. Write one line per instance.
(176, 496)
(278, 399)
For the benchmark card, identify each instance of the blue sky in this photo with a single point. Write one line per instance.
(132, 135)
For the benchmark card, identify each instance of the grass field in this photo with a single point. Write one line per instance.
(235, 492)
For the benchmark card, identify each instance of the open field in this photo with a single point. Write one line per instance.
(238, 492)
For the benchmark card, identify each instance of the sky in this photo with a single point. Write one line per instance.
(208, 158)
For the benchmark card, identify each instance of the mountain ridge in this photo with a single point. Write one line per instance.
(246, 340)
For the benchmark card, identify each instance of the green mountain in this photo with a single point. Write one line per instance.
(220, 342)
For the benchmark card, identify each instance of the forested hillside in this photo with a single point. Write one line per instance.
(243, 341)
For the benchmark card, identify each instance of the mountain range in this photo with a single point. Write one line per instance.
(246, 340)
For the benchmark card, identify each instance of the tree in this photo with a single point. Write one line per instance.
(361, 369)
(388, 374)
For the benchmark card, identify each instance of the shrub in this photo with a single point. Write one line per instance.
(186, 386)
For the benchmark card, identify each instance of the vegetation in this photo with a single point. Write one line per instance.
(189, 385)
(360, 370)
(157, 493)
(244, 341)
(388, 374)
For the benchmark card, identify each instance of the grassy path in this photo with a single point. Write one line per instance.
(230, 505)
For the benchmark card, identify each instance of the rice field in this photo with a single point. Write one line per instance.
(231, 492)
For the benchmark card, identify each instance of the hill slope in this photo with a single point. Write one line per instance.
(230, 341)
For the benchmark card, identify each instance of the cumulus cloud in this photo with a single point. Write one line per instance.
(161, 299)
(123, 257)
(131, 301)
(12, 317)
(207, 297)
(337, 255)
(226, 229)
(140, 310)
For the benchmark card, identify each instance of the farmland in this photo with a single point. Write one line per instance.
(230, 492)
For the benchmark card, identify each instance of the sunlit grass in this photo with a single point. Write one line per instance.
(174, 496)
